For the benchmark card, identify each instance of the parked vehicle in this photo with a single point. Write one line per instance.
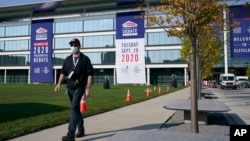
(228, 81)
(212, 84)
(242, 81)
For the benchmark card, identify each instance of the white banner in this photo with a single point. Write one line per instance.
(130, 61)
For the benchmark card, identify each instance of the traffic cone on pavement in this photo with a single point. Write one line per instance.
(83, 106)
(148, 91)
(128, 98)
(154, 88)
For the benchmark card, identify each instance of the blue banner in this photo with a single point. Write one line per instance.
(41, 66)
(130, 25)
(240, 35)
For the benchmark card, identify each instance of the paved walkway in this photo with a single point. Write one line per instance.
(143, 117)
(238, 101)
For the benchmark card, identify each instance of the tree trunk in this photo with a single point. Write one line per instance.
(198, 77)
(193, 73)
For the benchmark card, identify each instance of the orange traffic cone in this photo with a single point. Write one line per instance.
(83, 106)
(128, 98)
(154, 88)
(168, 90)
(159, 90)
(148, 91)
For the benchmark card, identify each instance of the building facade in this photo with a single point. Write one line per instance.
(93, 23)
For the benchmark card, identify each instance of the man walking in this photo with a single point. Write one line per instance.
(78, 71)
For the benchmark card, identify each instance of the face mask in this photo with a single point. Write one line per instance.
(74, 49)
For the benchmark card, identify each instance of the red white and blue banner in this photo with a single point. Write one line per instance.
(130, 48)
(41, 66)
(240, 35)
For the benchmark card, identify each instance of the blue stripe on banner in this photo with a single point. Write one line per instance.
(41, 66)
(130, 25)
(240, 35)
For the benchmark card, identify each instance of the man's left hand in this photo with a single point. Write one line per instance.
(87, 92)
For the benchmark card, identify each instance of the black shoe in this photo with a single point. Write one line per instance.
(80, 134)
(69, 137)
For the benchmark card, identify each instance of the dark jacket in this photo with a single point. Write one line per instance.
(82, 70)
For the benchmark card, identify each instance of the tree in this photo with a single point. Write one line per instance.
(248, 71)
(188, 19)
(210, 54)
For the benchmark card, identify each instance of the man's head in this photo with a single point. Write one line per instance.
(75, 45)
(75, 42)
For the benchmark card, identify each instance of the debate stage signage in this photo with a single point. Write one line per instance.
(240, 35)
(41, 66)
(130, 48)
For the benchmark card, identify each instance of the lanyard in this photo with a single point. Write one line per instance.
(75, 62)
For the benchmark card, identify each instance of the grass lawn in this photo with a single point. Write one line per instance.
(26, 108)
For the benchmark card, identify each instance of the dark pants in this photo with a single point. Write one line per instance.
(76, 119)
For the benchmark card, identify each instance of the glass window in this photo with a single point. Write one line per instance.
(107, 58)
(228, 78)
(59, 58)
(163, 56)
(14, 60)
(99, 41)
(17, 30)
(145, 39)
(102, 57)
(63, 43)
(1, 45)
(16, 45)
(161, 38)
(1, 31)
(67, 27)
(95, 58)
(98, 25)
(1, 76)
